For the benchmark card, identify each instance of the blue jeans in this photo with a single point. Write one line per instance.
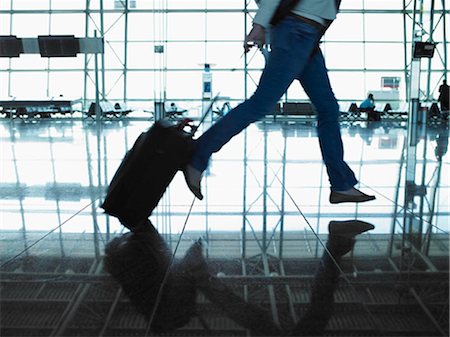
(294, 55)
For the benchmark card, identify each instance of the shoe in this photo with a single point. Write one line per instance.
(193, 178)
(349, 228)
(352, 195)
(193, 263)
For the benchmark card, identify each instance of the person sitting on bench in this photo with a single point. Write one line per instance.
(368, 104)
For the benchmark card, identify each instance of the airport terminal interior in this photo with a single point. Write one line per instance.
(265, 252)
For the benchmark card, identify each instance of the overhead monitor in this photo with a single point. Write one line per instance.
(58, 46)
(424, 49)
(10, 46)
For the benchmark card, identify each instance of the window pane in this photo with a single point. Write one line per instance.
(344, 55)
(383, 4)
(68, 24)
(389, 27)
(114, 26)
(69, 85)
(29, 85)
(68, 4)
(3, 80)
(229, 83)
(30, 4)
(347, 85)
(384, 55)
(114, 55)
(140, 27)
(347, 27)
(178, 23)
(30, 25)
(114, 85)
(66, 62)
(4, 23)
(225, 26)
(140, 55)
(185, 84)
(29, 61)
(140, 85)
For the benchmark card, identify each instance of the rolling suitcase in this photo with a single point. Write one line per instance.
(147, 170)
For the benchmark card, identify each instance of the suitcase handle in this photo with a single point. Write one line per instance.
(195, 127)
(185, 122)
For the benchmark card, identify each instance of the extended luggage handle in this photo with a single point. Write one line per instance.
(194, 128)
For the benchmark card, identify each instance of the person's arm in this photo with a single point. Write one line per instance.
(261, 22)
(265, 12)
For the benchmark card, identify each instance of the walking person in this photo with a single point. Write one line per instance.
(444, 91)
(294, 55)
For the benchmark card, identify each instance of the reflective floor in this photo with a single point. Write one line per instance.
(265, 216)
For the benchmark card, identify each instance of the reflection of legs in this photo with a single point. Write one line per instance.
(249, 316)
(340, 241)
(315, 81)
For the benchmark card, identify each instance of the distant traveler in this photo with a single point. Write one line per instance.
(368, 103)
(444, 90)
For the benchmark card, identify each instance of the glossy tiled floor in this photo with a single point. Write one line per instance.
(266, 188)
(55, 170)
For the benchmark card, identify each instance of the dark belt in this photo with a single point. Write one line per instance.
(306, 20)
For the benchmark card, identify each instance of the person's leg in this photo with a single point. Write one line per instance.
(341, 240)
(292, 44)
(315, 81)
(316, 84)
(284, 63)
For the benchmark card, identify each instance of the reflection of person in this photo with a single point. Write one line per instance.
(294, 55)
(173, 107)
(368, 103)
(341, 240)
(441, 142)
(444, 91)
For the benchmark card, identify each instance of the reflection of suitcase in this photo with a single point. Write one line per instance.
(139, 263)
(146, 171)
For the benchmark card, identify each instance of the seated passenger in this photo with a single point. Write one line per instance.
(368, 103)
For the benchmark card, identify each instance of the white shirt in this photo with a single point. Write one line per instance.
(317, 10)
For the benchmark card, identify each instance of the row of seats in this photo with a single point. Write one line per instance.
(306, 111)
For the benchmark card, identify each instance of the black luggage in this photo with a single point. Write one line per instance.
(147, 170)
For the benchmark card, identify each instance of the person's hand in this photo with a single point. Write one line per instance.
(256, 37)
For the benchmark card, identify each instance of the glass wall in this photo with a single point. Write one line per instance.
(370, 39)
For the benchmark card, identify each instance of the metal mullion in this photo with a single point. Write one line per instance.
(426, 248)
(125, 53)
(22, 209)
(289, 295)
(271, 290)
(102, 34)
(191, 11)
(427, 312)
(246, 293)
(110, 312)
(58, 207)
(444, 25)
(86, 58)
(397, 193)
(74, 304)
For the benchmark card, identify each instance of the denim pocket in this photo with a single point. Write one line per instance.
(290, 33)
